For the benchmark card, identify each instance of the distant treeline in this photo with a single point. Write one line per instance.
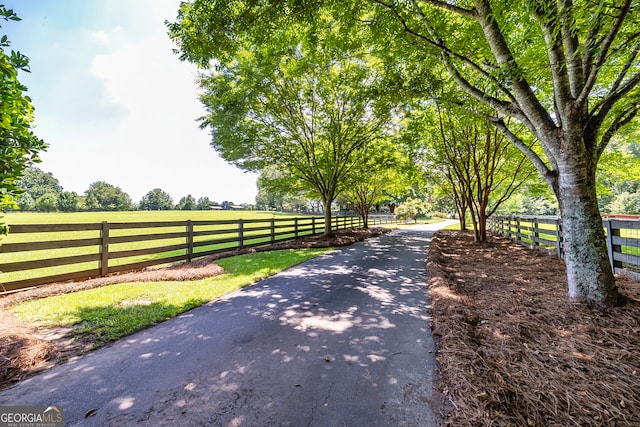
(43, 193)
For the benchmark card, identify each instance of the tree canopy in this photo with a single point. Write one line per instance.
(566, 70)
(305, 111)
(156, 200)
(102, 196)
(19, 147)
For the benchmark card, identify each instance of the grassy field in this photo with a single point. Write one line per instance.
(113, 217)
(135, 216)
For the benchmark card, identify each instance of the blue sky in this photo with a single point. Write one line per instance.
(114, 103)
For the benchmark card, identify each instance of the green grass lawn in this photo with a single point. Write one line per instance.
(105, 314)
(135, 216)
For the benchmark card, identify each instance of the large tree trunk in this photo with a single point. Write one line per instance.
(589, 272)
(327, 217)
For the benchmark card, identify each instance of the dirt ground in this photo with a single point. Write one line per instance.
(26, 350)
(514, 352)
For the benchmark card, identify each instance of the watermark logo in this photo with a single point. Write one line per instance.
(31, 416)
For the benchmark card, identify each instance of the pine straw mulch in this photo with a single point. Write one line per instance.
(514, 352)
(25, 349)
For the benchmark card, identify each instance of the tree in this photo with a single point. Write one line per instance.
(307, 113)
(273, 188)
(156, 200)
(36, 182)
(480, 165)
(376, 174)
(277, 188)
(625, 203)
(47, 203)
(26, 202)
(619, 169)
(204, 203)
(106, 197)
(187, 203)
(411, 209)
(566, 70)
(68, 201)
(19, 146)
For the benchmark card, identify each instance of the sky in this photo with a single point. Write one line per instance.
(114, 102)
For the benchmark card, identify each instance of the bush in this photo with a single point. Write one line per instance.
(48, 202)
(625, 203)
(410, 210)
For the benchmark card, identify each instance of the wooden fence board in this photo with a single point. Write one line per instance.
(146, 251)
(50, 244)
(145, 237)
(153, 224)
(39, 281)
(49, 228)
(44, 263)
(143, 264)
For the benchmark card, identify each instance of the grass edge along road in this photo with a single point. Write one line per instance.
(105, 314)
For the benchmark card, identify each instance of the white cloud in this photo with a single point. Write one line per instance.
(146, 134)
(101, 36)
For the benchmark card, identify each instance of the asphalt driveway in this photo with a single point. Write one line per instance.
(340, 340)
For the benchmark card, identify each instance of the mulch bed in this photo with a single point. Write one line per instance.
(514, 352)
(25, 350)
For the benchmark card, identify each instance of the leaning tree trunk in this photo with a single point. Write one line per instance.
(589, 272)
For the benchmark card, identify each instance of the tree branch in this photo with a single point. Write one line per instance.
(438, 44)
(545, 172)
(603, 108)
(548, 23)
(527, 100)
(623, 119)
(605, 45)
(571, 47)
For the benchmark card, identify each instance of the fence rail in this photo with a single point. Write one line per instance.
(545, 234)
(47, 253)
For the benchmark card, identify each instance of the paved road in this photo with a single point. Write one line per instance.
(340, 340)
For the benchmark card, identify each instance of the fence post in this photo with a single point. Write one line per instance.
(189, 240)
(611, 248)
(295, 227)
(536, 233)
(240, 233)
(508, 235)
(273, 230)
(104, 249)
(559, 238)
(313, 225)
